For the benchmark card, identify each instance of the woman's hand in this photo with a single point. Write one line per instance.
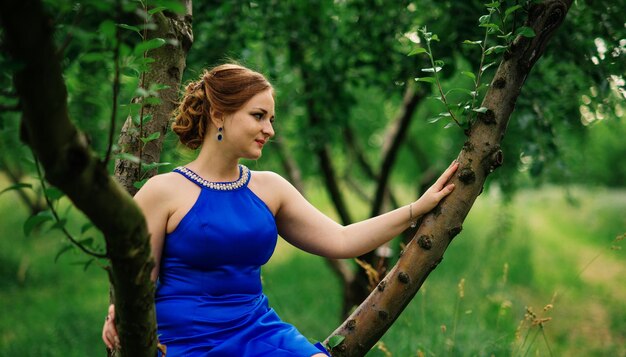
(109, 332)
(437, 191)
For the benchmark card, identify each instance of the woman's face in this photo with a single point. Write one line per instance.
(247, 130)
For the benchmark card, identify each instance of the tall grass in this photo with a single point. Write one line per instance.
(527, 289)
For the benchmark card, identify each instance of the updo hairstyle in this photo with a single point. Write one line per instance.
(225, 89)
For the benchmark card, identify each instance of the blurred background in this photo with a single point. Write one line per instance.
(538, 268)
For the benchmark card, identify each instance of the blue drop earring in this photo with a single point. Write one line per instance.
(219, 136)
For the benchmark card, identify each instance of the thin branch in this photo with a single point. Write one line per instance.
(438, 82)
(397, 134)
(351, 143)
(56, 216)
(33, 205)
(142, 84)
(364, 164)
(116, 83)
(357, 189)
(289, 165)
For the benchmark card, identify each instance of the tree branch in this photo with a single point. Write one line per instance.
(397, 133)
(479, 157)
(72, 167)
(57, 219)
(116, 83)
(339, 267)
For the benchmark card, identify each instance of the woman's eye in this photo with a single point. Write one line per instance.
(258, 115)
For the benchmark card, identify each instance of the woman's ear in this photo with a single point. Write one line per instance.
(217, 118)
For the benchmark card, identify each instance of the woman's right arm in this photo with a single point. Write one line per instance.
(153, 200)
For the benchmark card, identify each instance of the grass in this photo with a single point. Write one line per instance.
(511, 256)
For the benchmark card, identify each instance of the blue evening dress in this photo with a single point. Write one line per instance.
(209, 298)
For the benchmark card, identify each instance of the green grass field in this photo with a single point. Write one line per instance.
(548, 246)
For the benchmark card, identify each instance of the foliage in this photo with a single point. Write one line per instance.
(533, 261)
(343, 65)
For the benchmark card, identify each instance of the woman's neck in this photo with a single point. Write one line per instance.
(214, 166)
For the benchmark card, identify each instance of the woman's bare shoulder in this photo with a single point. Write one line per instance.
(162, 185)
(269, 179)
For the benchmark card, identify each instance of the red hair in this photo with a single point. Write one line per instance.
(225, 89)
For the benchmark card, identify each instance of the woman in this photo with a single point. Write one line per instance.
(214, 223)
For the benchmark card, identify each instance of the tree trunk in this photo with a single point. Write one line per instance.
(480, 155)
(167, 69)
(71, 166)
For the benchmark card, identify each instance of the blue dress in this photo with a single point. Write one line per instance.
(209, 298)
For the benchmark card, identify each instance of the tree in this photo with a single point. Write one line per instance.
(75, 169)
(341, 87)
(481, 154)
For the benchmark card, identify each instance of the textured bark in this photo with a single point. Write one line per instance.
(71, 166)
(166, 70)
(480, 155)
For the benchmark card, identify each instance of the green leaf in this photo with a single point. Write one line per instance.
(36, 220)
(431, 69)
(172, 5)
(88, 263)
(153, 165)
(426, 79)
(54, 193)
(335, 340)
(86, 227)
(17, 186)
(152, 101)
(129, 157)
(449, 125)
(130, 27)
(156, 9)
(510, 10)
(496, 49)
(87, 242)
(462, 90)
(148, 45)
(484, 19)
(417, 50)
(439, 117)
(469, 75)
(60, 224)
(145, 119)
(107, 29)
(493, 4)
(434, 38)
(490, 25)
(65, 249)
(93, 57)
(525, 31)
(480, 110)
(151, 137)
(483, 68)
(141, 92)
(468, 42)
(139, 184)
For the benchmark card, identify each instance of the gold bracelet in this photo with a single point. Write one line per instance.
(411, 221)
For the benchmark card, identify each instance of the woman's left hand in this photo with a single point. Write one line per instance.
(438, 191)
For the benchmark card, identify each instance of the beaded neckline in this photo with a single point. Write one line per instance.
(244, 175)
